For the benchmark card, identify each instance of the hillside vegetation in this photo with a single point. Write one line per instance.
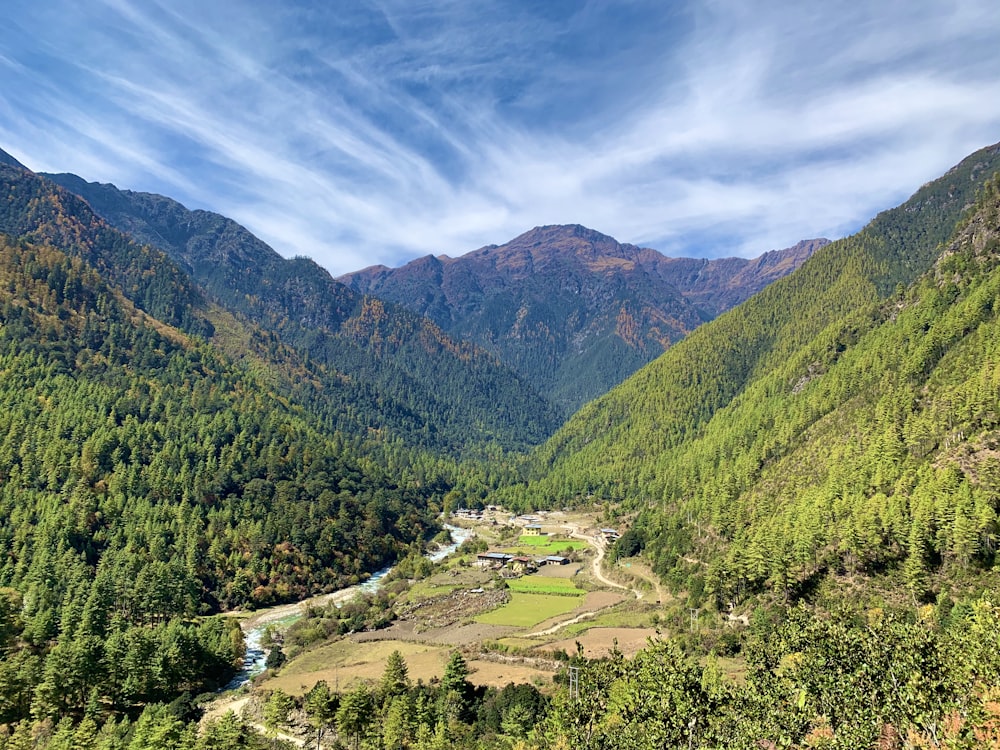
(148, 479)
(816, 473)
(840, 419)
(381, 367)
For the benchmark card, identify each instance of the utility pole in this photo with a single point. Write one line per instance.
(574, 683)
(694, 620)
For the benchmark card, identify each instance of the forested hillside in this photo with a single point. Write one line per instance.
(147, 478)
(572, 310)
(382, 367)
(828, 451)
(838, 420)
(35, 209)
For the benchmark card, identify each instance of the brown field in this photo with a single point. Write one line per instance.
(464, 634)
(596, 600)
(345, 662)
(598, 642)
(497, 674)
(559, 571)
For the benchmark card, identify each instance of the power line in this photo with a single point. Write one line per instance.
(574, 683)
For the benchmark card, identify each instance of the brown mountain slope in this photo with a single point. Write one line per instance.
(715, 286)
(573, 310)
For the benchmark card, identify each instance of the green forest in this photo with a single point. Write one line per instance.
(381, 367)
(842, 419)
(823, 460)
(864, 680)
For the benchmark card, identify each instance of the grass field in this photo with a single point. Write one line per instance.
(427, 589)
(547, 545)
(525, 610)
(616, 618)
(538, 585)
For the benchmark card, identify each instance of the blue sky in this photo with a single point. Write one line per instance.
(375, 132)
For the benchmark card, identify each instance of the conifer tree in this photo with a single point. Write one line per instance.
(395, 679)
(355, 715)
(321, 707)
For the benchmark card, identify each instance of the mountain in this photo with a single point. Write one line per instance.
(391, 370)
(148, 480)
(843, 419)
(715, 286)
(163, 457)
(90, 316)
(9, 160)
(572, 310)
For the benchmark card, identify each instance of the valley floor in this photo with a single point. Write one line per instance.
(511, 632)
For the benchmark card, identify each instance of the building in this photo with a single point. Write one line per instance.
(532, 529)
(493, 559)
(521, 564)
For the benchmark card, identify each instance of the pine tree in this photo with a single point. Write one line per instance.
(276, 710)
(355, 715)
(321, 707)
(398, 728)
(395, 679)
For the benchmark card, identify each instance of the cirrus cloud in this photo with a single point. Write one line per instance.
(387, 129)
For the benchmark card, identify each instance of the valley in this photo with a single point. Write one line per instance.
(517, 623)
(510, 627)
(782, 531)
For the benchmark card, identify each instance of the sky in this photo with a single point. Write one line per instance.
(378, 131)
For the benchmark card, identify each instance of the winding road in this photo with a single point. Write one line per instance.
(601, 548)
(600, 545)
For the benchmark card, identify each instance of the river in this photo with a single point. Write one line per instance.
(283, 615)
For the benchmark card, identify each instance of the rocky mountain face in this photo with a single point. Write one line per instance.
(717, 285)
(573, 310)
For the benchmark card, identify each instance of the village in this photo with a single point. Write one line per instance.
(521, 588)
(513, 565)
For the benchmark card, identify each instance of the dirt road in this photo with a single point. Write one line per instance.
(600, 547)
(637, 570)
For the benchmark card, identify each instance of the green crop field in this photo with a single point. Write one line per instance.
(547, 545)
(525, 610)
(535, 585)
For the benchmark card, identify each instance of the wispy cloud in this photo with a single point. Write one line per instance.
(375, 133)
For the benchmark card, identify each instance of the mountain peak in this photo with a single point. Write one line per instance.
(572, 310)
(559, 244)
(548, 232)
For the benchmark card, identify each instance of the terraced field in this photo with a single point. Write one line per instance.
(526, 610)
(539, 585)
(545, 545)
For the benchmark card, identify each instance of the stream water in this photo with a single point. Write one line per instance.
(285, 615)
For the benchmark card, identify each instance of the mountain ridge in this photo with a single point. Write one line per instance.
(9, 160)
(837, 422)
(421, 384)
(572, 309)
